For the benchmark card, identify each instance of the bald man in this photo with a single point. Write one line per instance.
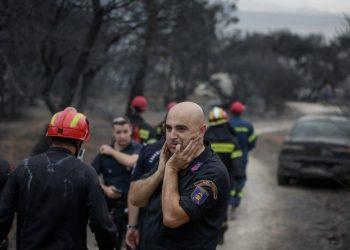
(186, 194)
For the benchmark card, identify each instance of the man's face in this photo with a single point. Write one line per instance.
(122, 134)
(180, 130)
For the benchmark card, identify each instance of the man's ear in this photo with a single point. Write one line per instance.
(202, 129)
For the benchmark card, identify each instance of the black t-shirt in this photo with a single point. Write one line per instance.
(114, 173)
(148, 159)
(203, 189)
(54, 195)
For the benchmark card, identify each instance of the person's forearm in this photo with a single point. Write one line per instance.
(125, 159)
(173, 214)
(102, 183)
(133, 213)
(170, 192)
(141, 190)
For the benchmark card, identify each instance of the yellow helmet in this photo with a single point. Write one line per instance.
(217, 116)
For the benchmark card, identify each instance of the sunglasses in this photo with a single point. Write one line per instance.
(120, 121)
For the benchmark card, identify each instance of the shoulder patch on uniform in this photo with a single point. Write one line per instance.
(210, 184)
(199, 195)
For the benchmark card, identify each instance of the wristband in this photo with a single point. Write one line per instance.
(131, 226)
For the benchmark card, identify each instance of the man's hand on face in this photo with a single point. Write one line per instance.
(106, 150)
(164, 157)
(180, 159)
(111, 192)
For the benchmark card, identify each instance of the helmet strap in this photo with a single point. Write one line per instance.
(81, 153)
(78, 149)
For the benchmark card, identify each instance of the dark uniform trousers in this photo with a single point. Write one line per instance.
(118, 210)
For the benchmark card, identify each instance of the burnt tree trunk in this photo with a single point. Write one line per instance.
(87, 80)
(78, 68)
(138, 82)
(83, 57)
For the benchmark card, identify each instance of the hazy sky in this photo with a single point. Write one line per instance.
(296, 6)
(304, 17)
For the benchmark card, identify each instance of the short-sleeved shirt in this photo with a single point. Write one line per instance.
(114, 173)
(148, 159)
(203, 189)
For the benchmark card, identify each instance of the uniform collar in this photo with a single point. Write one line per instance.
(130, 145)
(203, 157)
(236, 117)
(206, 152)
(59, 149)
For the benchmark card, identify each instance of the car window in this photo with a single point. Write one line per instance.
(337, 129)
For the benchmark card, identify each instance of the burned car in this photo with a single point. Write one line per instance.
(318, 147)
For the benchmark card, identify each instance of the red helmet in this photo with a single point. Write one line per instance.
(69, 124)
(237, 108)
(170, 105)
(139, 102)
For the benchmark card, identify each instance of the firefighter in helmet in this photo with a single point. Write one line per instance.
(247, 140)
(224, 143)
(55, 194)
(142, 132)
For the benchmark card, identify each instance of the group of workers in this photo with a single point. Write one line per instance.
(172, 187)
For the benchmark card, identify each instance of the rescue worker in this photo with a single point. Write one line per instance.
(225, 144)
(55, 194)
(186, 195)
(142, 132)
(247, 140)
(148, 159)
(114, 162)
(160, 127)
(4, 172)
